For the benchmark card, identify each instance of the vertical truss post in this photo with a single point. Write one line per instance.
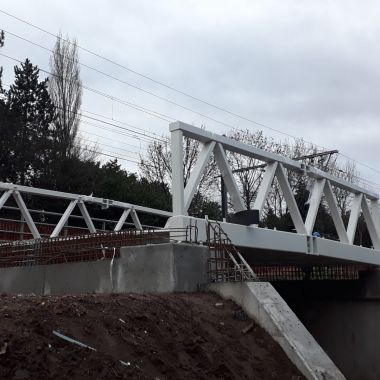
(177, 173)
(86, 217)
(315, 201)
(136, 220)
(265, 187)
(228, 177)
(290, 200)
(122, 220)
(64, 218)
(25, 213)
(354, 217)
(223, 191)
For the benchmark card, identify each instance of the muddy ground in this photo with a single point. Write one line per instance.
(172, 336)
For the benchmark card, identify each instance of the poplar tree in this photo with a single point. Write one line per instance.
(65, 88)
(1, 45)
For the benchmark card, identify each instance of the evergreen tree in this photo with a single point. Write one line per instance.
(29, 101)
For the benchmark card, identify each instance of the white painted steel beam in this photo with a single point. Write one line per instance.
(265, 187)
(177, 173)
(86, 217)
(374, 205)
(354, 217)
(262, 155)
(90, 199)
(335, 214)
(136, 220)
(342, 184)
(232, 145)
(228, 178)
(64, 218)
(370, 224)
(25, 213)
(314, 203)
(283, 243)
(290, 200)
(4, 197)
(197, 172)
(122, 220)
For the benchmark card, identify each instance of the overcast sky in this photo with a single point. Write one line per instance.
(308, 68)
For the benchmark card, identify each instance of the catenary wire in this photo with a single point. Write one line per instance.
(132, 126)
(167, 86)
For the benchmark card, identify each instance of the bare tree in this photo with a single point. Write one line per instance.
(156, 165)
(248, 180)
(348, 172)
(65, 89)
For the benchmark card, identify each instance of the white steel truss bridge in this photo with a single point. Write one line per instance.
(259, 245)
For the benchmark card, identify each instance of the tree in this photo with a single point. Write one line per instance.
(248, 180)
(31, 148)
(65, 88)
(1, 45)
(156, 167)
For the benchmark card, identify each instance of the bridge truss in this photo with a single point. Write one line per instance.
(18, 193)
(260, 239)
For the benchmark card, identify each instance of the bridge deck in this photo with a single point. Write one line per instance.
(270, 247)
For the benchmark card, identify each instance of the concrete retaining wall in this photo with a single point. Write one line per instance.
(150, 268)
(262, 303)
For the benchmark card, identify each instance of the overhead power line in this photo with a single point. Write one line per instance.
(146, 132)
(122, 133)
(132, 86)
(108, 138)
(171, 88)
(111, 146)
(108, 96)
(109, 155)
(154, 81)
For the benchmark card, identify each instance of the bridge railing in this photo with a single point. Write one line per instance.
(364, 200)
(73, 201)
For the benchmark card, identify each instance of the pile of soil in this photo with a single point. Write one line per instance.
(171, 336)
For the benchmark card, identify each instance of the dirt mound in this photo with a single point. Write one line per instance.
(172, 336)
